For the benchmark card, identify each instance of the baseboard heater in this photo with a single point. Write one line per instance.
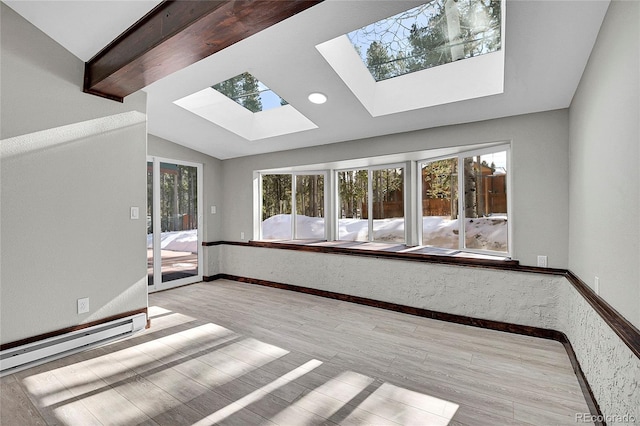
(32, 354)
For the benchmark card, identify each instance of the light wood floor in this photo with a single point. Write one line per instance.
(239, 354)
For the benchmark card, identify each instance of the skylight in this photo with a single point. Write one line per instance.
(421, 67)
(247, 107)
(249, 92)
(426, 36)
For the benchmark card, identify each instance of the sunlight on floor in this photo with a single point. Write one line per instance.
(408, 407)
(259, 393)
(180, 359)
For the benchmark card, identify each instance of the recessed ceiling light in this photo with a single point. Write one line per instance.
(317, 98)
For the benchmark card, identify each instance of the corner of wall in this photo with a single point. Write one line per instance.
(603, 163)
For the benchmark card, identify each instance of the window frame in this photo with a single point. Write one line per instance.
(293, 175)
(460, 188)
(370, 169)
(420, 199)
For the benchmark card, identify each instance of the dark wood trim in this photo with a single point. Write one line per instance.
(426, 313)
(543, 333)
(225, 243)
(212, 277)
(176, 34)
(590, 399)
(627, 332)
(509, 265)
(66, 330)
(381, 254)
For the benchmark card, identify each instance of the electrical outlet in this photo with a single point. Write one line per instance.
(542, 261)
(596, 284)
(242, 235)
(213, 209)
(83, 305)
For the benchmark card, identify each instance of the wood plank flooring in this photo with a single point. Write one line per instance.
(238, 354)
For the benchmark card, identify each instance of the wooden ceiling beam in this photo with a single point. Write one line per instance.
(176, 34)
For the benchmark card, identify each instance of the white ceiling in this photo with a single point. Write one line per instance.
(71, 22)
(547, 45)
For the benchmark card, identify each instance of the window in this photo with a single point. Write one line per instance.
(247, 107)
(440, 203)
(353, 195)
(276, 207)
(309, 223)
(478, 221)
(249, 92)
(436, 53)
(383, 219)
(456, 201)
(485, 202)
(284, 217)
(436, 33)
(388, 205)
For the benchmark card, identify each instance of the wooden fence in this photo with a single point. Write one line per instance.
(492, 198)
(438, 207)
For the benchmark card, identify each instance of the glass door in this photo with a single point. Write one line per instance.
(174, 234)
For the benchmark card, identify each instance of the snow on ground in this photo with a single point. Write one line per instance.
(488, 233)
(484, 233)
(186, 241)
(391, 230)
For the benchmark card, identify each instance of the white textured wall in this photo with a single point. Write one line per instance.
(612, 370)
(539, 172)
(604, 157)
(518, 298)
(72, 166)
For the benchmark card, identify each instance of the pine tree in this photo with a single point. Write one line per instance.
(276, 195)
(479, 30)
(250, 93)
(428, 43)
(379, 61)
(243, 89)
(437, 178)
(352, 189)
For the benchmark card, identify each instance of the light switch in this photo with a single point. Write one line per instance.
(213, 209)
(135, 213)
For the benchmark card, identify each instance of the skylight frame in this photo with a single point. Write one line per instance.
(467, 79)
(223, 111)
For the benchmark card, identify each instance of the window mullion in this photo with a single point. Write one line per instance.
(461, 199)
(370, 203)
(330, 215)
(258, 215)
(410, 200)
(293, 206)
(416, 180)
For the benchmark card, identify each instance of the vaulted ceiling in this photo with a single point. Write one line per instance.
(546, 46)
